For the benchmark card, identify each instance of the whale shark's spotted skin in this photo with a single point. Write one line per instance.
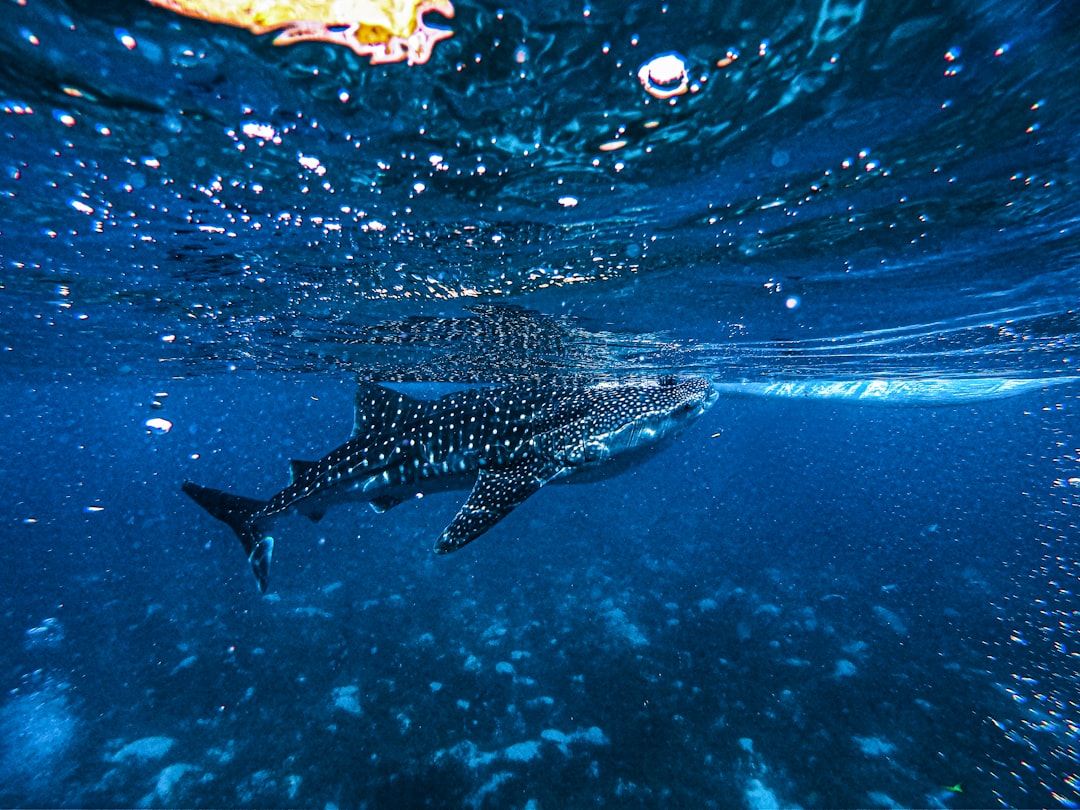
(505, 443)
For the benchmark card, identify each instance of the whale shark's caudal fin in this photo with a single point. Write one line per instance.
(239, 513)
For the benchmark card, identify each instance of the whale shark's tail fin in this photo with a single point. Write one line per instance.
(239, 513)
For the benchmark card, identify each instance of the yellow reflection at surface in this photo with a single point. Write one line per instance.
(385, 30)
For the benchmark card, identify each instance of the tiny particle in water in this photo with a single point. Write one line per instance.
(91, 509)
(792, 302)
(158, 425)
(568, 202)
(729, 57)
(125, 39)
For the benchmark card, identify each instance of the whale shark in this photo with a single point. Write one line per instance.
(504, 443)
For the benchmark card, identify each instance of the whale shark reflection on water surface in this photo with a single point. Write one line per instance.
(505, 443)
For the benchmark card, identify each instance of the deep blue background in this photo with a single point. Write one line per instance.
(800, 603)
(801, 521)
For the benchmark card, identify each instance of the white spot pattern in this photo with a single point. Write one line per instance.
(516, 440)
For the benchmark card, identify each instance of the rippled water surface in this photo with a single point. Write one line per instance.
(854, 584)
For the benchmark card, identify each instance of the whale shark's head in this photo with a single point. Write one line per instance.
(625, 418)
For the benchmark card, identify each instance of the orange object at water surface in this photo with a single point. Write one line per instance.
(385, 30)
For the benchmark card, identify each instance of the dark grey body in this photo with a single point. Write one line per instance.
(503, 443)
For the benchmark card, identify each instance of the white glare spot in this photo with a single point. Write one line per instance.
(311, 163)
(125, 39)
(254, 129)
(792, 302)
(664, 76)
(568, 202)
(158, 425)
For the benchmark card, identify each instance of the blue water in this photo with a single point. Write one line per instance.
(852, 584)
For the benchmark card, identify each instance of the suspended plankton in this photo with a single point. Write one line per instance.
(385, 30)
(664, 76)
(158, 425)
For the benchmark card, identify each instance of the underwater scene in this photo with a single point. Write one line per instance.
(638, 404)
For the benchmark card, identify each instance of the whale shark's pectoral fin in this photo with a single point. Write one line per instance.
(496, 493)
(386, 502)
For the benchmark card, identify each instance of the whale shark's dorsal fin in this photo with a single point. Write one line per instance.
(378, 408)
(297, 468)
(496, 493)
